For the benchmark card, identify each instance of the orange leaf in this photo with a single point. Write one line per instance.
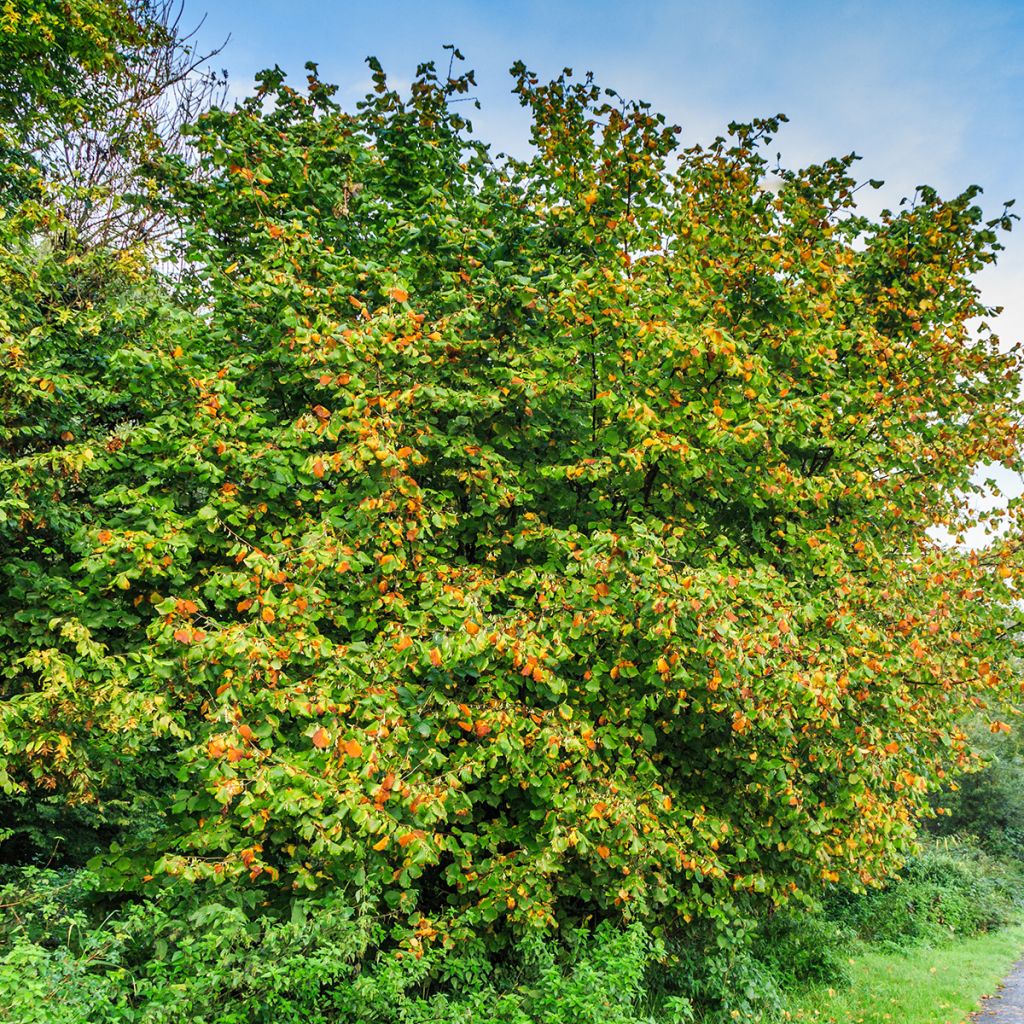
(603, 852)
(321, 739)
(471, 627)
(267, 615)
(381, 844)
(318, 468)
(435, 657)
(892, 748)
(352, 748)
(183, 636)
(399, 294)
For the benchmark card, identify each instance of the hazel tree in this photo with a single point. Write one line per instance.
(526, 539)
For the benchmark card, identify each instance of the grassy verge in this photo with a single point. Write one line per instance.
(921, 986)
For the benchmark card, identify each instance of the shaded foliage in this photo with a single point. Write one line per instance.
(988, 804)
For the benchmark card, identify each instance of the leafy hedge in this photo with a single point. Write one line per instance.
(950, 890)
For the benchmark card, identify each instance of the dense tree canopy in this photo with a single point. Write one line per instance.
(501, 540)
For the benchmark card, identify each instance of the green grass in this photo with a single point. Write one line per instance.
(920, 986)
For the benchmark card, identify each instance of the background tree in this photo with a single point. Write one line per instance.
(988, 805)
(93, 93)
(58, 61)
(94, 98)
(112, 159)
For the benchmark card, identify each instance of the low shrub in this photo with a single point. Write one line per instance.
(805, 949)
(67, 956)
(722, 982)
(950, 888)
(61, 962)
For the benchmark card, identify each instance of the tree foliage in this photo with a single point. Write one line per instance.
(504, 541)
(93, 95)
(56, 58)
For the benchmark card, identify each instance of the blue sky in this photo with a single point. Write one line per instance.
(926, 92)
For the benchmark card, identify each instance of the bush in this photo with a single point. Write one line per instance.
(506, 556)
(467, 546)
(948, 889)
(67, 955)
(721, 981)
(600, 976)
(805, 949)
(62, 960)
